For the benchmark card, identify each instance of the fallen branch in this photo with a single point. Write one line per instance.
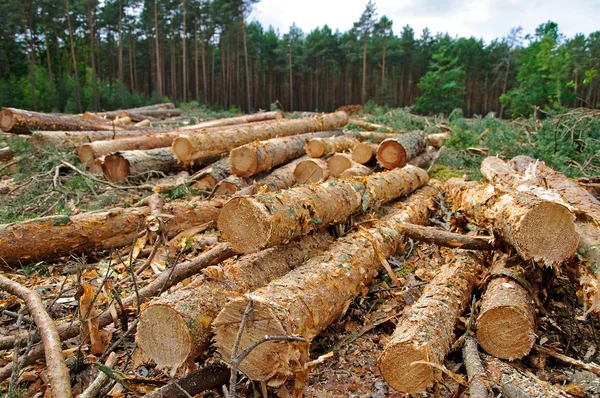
(475, 371)
(57, 369)
(590, 367)
(207, 378)
(444, 238)
(99, 382)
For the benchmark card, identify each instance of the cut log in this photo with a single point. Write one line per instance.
(250, 159)
(125, 120)
(143, 123)
(425, 158)
(306, 300)
(231, 121)
(526, 222)
(122, 165)
(278, 179)
(506, 321)
(517, 383)
(396, 152)
(152, 113)
(444, 238)
(364, 153)
(209, 176)
(57, 236)
(311, 170)
(6, 154)
(279, 217)
(339, 163)
(319, 147)
(95, 168)
(437, 140)
(371, 126)
(41, 139)
(232, 184)
(357, 170)
(167, 184)
(141, 109)
(177, 327)
(22, 122)
(197, 146)
(427, 332)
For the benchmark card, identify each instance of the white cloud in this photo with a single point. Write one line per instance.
(487, 19)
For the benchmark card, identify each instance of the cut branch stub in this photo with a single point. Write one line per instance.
(396, 152)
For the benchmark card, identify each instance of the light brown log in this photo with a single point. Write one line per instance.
(152, 113)
(232, 184)
(364, 153)
(232, 121)
(372, 126)
(280, 178)
(539, 230)
(437, 140)
(396, 152)
(141, 109)
(167, 184)
(425, 158)
(177, 327)
(57, 369)
(124, 164)
(427, 332)
(319, 147)
(311, 170)
(506, 322)
(143, 123)
(95, 168)
(279, 217)
(339, 163)
(517, 383)
(256, 157)
(306, 300)
(41, 139)
(122, 120)
(357, 170)
(6, 154)
(444, 238)
(20, 121)
(57, 236)
(197, 146)
(209, 176)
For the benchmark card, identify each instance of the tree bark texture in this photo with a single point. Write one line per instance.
(122, 165)
(19, 121)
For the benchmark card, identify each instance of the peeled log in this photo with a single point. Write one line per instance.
(177, 327)
(306, 300)
(506, 322)
(364, 152)
(250, 159)
(20, 121)
(339, 163)
(197, 146)
(319, 147)
(539, 230)
(231, 121)
(121, 165)
(396, 152)
(357, 170)
(279, 217)
(311, 170)
(427, 332)
(209, 176)
(57, 236)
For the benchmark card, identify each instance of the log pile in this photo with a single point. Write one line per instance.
(292, 225)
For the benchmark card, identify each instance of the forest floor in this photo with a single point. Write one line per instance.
(39, 184)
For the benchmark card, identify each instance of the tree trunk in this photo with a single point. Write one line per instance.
(57, 236)
(364, 74)
(339, 163)
(42, 139)
(156, 38)
(356, 170)
(278, 179)
(48, 60)
(248, 91)
(308, 299)
(177, 327)
(21, 121)
(92, 56)
(319, 147)
(250, 159)
(184, 45)
(506, 322)
(383, 101)
(396, 152)
(427, 332)
(208, 177)
(365, 153)
(73, 58)
(525, 222)
(232, 184)
(311, 170)
(31, 59)
(372, 126)
(122, 165)
(231, 121)
(276, 218)
(197, 146)
(291, 86)
(196, 69)
(120, 32)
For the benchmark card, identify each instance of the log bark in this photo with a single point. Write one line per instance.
(372, 126)
(141, 109)
(256, 157)
(122, 165)
(425, 158)
(396, 152)
(151, 113)
(437, 140)
(177, 327)
(506, 322)
(280, 178)
(339, 163)
(207, 378)
(311, 170)
(357, 170)
(444, 238)
(60, 381)
(306, 300)
(524, 221)
(279, 217)
(516, 383)
(365, 153)
(57, 236)
(6, 154)
(232, 121)
(427, 332)
(41, 139)
(232, 184)
(209, 176)
(475, 370)
(197, 146)
(23, 122)
(319, 147)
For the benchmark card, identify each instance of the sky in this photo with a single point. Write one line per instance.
(486, 19)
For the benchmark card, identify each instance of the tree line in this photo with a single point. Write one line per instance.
(77, 55)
